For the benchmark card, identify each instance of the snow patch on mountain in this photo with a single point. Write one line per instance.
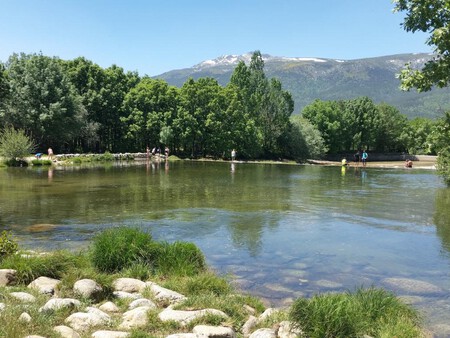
(226, 60)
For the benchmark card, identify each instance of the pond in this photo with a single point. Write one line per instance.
(280, 231)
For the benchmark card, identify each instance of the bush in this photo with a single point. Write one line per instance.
(118, 248)
(14, 145)
(8, 246)
(178, 258)
(443, 165)
(372, 312)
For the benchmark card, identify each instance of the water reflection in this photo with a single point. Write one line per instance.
(442, 218)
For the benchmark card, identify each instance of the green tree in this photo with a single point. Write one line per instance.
(391, 125)
(416, 136)
(15, 144)
(305, 141)
(45, 103)
(432, 17)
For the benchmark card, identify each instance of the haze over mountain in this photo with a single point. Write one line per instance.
(309, 79)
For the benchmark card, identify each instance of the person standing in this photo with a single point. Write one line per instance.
(233, 154)
(364, 157)
(357, 156)
(50, 153)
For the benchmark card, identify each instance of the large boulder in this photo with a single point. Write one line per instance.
(82, 321)
(23, 297)
(164, 295)
(110, 334)
(24, 317)
(128, 285)
(44, 285)
(214, 331)
(109, 307)
(142, 302)
(185, 317)
(7, 277)
(288, 330)
(248, 326)
(87, 288)
(55, 304)
(135, 318)
(66, 332)
(126, 295)
(264, 333)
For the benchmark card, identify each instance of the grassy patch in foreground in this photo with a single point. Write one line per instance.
(374, 312)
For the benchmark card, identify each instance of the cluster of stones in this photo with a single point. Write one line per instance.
(101, 315)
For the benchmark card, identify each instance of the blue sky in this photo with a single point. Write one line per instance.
(155, 36)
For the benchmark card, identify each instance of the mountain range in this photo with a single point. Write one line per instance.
(308, 79)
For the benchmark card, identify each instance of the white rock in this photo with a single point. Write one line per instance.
(142, 302)
(60, 303)
(34, 336)
(110, 334)
(44, 285)
(135, 318)
(214, 331)
(109, 307)
(264, 333)
(185, 317)
(66, 332)
(7, 277)
(126, 295)
(248, 326)
(163, 294)
(287, 330)
(87, 288)
(24, 317)
(128, 285)
(266, 314)
(182, 335)
(2, 306)
(23, 296)
(81, 321)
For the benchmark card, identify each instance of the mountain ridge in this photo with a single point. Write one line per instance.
(311, 78)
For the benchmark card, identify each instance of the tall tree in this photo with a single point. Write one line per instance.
(433, 17)
(45, 103)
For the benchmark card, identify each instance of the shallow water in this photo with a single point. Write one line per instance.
(281, 231)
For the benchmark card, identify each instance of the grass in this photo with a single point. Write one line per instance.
(374, 312)
(130, 252)
(37, 162)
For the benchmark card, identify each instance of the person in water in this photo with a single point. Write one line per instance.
(364, 158)
(408, 164)
(344, 162)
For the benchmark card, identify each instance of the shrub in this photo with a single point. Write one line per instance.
(178, 258)
(41, 162)
(120, 247)
(443, 165)
(8, 245)
(15, 145)
(365, 312)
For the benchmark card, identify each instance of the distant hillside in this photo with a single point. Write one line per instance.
(314, 78)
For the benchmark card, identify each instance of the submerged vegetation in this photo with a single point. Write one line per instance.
(130, 252)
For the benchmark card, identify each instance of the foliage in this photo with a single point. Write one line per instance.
(443, 164)
(373, 312)
(118, 248)
(306, 142)
(8, 245)
(15, 144)
(37, 162)
(429, 16)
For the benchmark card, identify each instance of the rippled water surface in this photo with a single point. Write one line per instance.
(281, 231)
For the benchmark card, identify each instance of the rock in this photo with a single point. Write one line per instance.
(214, 331)
(135, 318)
(287, 330)
(249, 309)
(23, 296)
(185, 317)
(7, 277)
(66, 332)
(110, 334)
(55, 304)
(25, 317)
(128, 285)
(81, 321)
(87, 288)
(182, 335)
(34, 336)
(162, 294)
(412, 285)
(264, 333)
(44, 285)
(329, 284)
(142, 302)
(109, 307)
(126, 295)
(249, 325)
(2, 306)
(266, 314)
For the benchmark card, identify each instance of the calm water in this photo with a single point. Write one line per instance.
(281, 231)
